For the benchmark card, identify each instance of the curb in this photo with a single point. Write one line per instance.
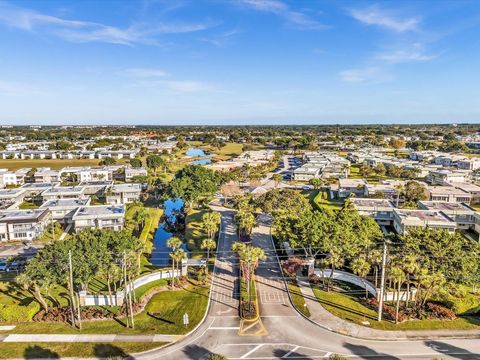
(406, 337)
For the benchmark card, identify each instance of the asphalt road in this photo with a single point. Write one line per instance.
(286, 334)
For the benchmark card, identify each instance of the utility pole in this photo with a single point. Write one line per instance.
(72, 296)
(125, 294)
(79, 313)
(382, 282)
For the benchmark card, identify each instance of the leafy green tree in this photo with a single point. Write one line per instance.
(136, 163)
(154, 162)
(108, 161)
(279, 200)
(194, 182)
(316, 183)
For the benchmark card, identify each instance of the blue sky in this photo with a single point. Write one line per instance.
(239, 61)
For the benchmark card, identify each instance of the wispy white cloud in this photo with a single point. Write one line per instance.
(279, 8)
(144, 72)
(188, 86)
(86, 31)
(374, 15)
(371, 74)
(221, 39)
(402, 56)
(8, 88)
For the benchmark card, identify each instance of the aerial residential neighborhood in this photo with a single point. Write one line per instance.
(240, 179)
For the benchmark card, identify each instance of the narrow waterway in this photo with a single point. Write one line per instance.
(160, 254)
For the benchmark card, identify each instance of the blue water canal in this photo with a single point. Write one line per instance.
(198, 153)
(160, 256)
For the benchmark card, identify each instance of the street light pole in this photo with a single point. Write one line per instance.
(382, 282)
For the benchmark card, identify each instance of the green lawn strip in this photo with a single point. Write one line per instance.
(57, 350)
(27, 205)
(194, 231)
(349, 308)
(322, 203)
(168, 307)
(297, 297)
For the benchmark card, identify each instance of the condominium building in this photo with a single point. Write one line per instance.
(99, 216)
(462, 214)
(62, 210)
(404, 219)
(123, 193)
(23, 225)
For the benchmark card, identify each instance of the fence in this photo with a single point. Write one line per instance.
(358, 281)
(117, 298)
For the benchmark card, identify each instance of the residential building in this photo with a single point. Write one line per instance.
(62, 210)
(47, 175)
(95, 187)
(471, 188)
(7, 178)
(379, 209)
(462, 214)
(105, 217)
(23, 225)
(448, 194)
(444, 177)
(404, 219)
(33, 190)
(63, 192)
(351, 186)
(123, 193)
(11, 197)
(131, 172)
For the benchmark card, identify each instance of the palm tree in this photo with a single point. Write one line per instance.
(139, 217)
(398, 276)
(249, 259)
(208, 244)
(174, 243)
(178, 256)
(277, 178)
(245, 221)
(361, 267)
(410, 266)
(375, 259)
(211, 221)
(335, 260)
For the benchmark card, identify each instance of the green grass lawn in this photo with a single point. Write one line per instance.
(297, 297)
(168, 307)
(14, 164)
(194, 231)
(229, 151)
(320, 201)
(349, 308)
(58, 350)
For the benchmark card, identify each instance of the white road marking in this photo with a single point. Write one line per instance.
(224, 328)
(290, 352)
(244, 356)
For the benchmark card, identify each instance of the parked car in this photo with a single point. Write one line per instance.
(16, 265)
(3, 265)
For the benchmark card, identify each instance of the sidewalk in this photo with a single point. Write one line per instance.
(327, 320)
(56, 338)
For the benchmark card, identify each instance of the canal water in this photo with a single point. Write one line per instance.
(160, 254)
(198, 153)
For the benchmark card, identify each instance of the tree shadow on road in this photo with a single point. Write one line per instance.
(195, 352)
(365, 352)
(102, 351)
(38, 352)
(451, 351)
(280, 353)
